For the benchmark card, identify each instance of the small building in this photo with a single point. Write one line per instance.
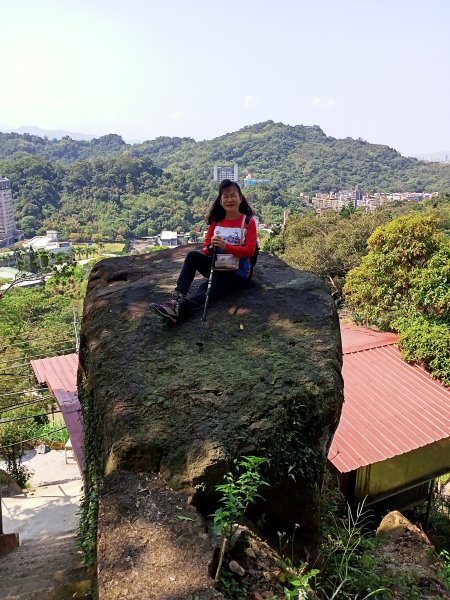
(48, 242)
(7, 222)
(168, 239)
(250, 180)
(228, 172)
(59, 373)
(171, 239)
(393, 437)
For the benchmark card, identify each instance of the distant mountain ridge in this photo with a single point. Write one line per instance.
(51, 133)
(297, 158)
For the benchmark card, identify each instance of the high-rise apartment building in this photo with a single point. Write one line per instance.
(7, 223)
(221, 173)
(358, 196)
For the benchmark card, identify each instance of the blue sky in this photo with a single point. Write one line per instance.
(375, 69)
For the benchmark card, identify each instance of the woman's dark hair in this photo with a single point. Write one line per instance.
(217, 212)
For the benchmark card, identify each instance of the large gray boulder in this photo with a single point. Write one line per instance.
(267, 383)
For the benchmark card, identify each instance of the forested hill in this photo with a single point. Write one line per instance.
(107, 187)
(305, 156)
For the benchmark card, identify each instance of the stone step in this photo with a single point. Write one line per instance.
(49, 569)
(53, 569)
(45, 581)
(56, 540)
(71, 591)
(35, 561)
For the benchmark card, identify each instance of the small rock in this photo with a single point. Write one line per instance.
(43, 449)
(256, 596)
(235, 567)
(251, 553)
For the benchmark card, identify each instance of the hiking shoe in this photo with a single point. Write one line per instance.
(171, 309)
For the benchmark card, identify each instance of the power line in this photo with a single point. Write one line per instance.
(13, 406)
(27, 341)
(38, 350)
(4, 421)
(31, 439)
(27, 365)
(30, 358)
(22, 375)
(30, 391)
(23, 351)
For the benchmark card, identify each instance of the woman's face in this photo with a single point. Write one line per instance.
(230, 199)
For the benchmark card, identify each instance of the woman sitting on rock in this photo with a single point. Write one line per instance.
(230, 243)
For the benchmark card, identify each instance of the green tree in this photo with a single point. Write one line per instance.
(329, 244)
(403, 284)
(384, 285)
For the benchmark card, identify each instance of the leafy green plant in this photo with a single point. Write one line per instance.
(445, 555)
(238, 492)
(343, 551)
(403, 284)
(52, 433)
(231, 589)
(22, 475)
(296, 578)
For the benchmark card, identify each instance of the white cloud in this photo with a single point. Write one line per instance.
(250, 101)
(322, 103)
(177, 115)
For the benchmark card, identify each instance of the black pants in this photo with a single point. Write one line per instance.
(223, 282)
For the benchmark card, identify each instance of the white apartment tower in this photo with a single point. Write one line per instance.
(221, 173)
(7, 223)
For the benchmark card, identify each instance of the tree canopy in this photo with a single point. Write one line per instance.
(87, 187)
(403, 284)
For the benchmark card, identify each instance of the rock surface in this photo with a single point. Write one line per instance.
(267, 383)
(8, 486)
(406, 557)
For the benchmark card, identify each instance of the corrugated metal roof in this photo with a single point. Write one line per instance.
(391, 407)
(359, 338)
(60, 375)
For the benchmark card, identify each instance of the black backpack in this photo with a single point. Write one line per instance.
(253, 258)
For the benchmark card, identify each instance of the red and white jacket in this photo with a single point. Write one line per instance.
(230, 231)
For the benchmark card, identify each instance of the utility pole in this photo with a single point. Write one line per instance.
(77, 337)
(1, 515)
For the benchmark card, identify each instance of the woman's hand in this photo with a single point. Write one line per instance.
(217, 242)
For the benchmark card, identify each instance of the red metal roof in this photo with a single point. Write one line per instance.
(391, 407)
(60, 374)
(359, 338)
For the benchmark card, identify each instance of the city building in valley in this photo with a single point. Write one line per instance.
(250, 180)
(359, 199)
(48, 242)
(7, 223)
(230, 172)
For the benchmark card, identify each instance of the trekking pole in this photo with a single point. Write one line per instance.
(208, 290)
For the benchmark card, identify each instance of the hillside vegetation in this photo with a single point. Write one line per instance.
(390, 268)
(108, 188)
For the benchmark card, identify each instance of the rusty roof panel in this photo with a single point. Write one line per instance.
(356, 338)
(391, 407)
(60, 375)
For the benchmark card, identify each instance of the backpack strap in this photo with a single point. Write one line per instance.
(244, 220)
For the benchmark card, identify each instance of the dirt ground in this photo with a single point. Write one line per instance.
(154, 544)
